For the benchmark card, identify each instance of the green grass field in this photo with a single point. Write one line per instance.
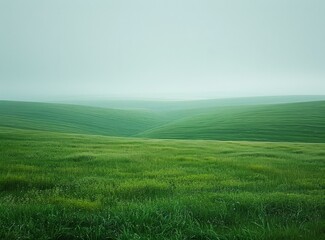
(75, 172)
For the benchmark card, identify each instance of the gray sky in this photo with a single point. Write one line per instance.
(161, 49)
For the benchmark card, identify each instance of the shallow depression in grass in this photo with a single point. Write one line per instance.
(20, 183)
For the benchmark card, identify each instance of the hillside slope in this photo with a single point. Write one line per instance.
(76, 119)
(294, 122)
(303, 122)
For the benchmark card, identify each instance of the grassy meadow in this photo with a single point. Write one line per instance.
(75, 172)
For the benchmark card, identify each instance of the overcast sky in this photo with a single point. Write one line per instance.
(161, 49)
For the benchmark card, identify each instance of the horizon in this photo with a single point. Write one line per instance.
(101, 102)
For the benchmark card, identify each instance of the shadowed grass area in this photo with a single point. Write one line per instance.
(68, 186)
(16, 183)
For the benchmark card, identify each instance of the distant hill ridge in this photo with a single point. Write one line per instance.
(168, 105)
(285, 122)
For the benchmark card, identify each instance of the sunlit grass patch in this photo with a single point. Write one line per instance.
(25, 168)
(199, 177)
(305, 184)
(232, 183)
(76, 203)
(143, 189)
(265, 169)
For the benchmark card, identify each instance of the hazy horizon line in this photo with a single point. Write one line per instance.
(158, 99)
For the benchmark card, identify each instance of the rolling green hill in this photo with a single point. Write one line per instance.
(292, 122)
(76, 119)
(303, 122)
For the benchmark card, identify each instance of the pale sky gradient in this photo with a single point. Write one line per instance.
(161, 49)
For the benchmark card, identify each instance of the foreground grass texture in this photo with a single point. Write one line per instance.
(61, 186)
